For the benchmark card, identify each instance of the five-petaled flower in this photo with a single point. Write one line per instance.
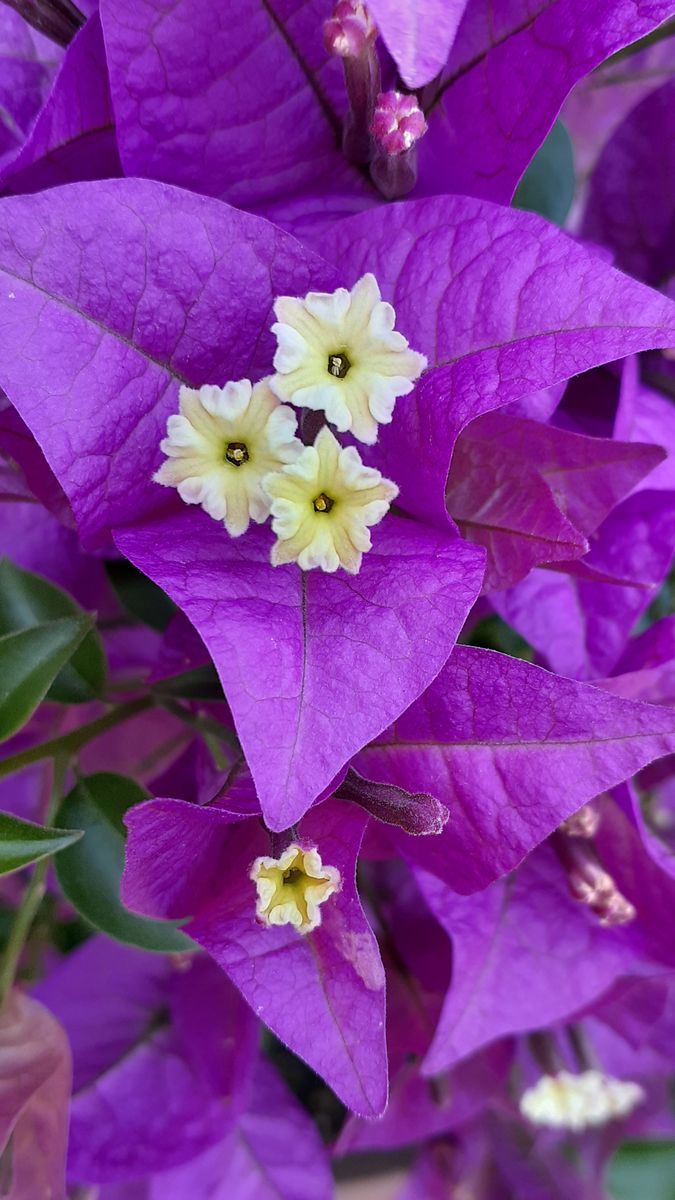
(292, 888)
(322, 505)
(339, 353)
(221, 445)
(578, 1102)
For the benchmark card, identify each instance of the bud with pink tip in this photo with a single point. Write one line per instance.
(590, 883)
(350, 34)
(398, 122)
(582, 824)
(397, 126)
(350, 30)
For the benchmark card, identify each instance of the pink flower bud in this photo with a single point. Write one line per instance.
(590, 883)
(350, 30)
(398, 122)
(582, 824)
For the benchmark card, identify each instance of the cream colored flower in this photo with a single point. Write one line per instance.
(292, 888)
(578, 1102)
(221, 445)
(322, 505)
(339, 352)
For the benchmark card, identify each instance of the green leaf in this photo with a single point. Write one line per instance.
(90, 871)
(30, 660)
(27, 600)
(547, 187)
(642, 1169)
(201, 683)
(22, 842)
(139, 595)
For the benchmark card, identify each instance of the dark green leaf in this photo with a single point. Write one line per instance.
(200, 684)
(494, 634)
(140, 596)
(90, 871)
(642, 1171)
(22, 842)
(27, 600)
(547, 187)
(667, 30)
(30, 660)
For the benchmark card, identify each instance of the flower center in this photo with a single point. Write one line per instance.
(323, 503)
(293, 876)
(338, 365)
(292, 888)
(236, 453)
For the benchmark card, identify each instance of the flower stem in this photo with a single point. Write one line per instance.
(69, 743)
(204, 724)
(25, 914)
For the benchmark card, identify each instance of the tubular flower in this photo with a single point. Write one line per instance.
(322, 505)
(577, 1102)
(339, 352)
(292, 888)
(221, 444)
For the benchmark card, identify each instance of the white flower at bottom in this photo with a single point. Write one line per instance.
(221, 445)
(338, 352)
(291, 888)
(323, 504)
(577, 1102)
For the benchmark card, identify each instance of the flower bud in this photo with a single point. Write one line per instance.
(398, 124)
(58, 20)
(590, 883)
(350, 30)
(350, 34)
(582, 824)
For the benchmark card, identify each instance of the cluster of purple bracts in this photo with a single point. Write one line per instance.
(501, 828)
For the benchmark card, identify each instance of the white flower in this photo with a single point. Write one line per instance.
(292, 888)
(339, 352)
(221, 445)
(578, 1102)
(322, 505)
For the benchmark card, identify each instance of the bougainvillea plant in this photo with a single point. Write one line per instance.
(337, 639)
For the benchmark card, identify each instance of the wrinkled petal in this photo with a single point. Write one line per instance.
(313, 665)
(517, 307)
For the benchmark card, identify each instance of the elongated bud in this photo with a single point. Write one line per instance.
(59, 20)
(582, 824)
(590, 883)
(350, 34)
(397, 126)
(350, 31)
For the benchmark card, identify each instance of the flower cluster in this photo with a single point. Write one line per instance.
(337, 623)
(233, 450)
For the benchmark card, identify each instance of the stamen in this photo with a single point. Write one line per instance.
(398, 124)
(323, 503)
(237, 453)
(350, 34)
(338, 365)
